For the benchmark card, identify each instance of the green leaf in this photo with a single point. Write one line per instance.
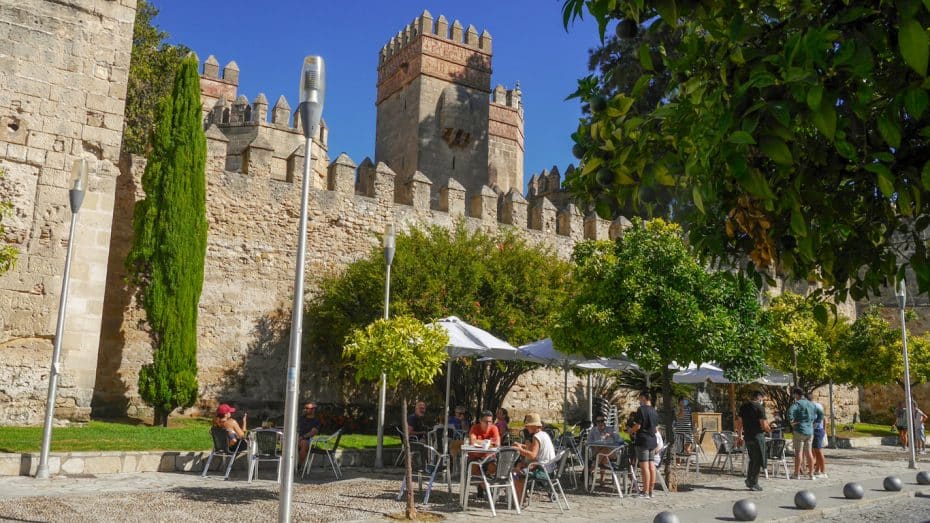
(825, 120)
(925, 175)
(645, 57)
(668, 11)
(641, 84)
(890, 131)
(742, 137)
(914, 46)
(798, 223)
(885, 179)
(820, 313)
(915, 101)
(776, 149)
(814, 95)
(699, 202)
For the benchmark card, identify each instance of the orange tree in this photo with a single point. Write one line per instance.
(791, 133)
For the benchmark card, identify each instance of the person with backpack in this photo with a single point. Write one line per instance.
(802, 414)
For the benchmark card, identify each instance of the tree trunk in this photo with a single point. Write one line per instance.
(408, 464)
(668, 416)
(160, 418)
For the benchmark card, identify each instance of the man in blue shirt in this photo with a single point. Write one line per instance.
(308, 426)
(802, 414)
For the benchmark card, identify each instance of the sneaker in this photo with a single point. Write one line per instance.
(756, 488)
(642, 495)
(651, 495)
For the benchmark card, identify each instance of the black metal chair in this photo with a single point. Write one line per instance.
(427, 462)
(222, 449)
(267, 448)
(325, 446)
(551, 479)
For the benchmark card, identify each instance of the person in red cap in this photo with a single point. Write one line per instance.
(224, 420)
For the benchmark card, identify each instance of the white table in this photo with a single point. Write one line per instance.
(464, 469)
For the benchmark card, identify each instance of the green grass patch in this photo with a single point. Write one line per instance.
(134, 435)
(864, 430)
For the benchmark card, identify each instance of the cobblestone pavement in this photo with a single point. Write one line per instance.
(367, 496)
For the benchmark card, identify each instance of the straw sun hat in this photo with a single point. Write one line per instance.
(532, 419)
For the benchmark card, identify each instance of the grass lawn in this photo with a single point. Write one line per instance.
(863, 430)
(133, 434)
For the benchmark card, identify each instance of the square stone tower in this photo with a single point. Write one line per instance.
(433, 104)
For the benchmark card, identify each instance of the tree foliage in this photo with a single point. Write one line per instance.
(167, 256)
(799, 132)
(409, 354)
(801, 343)
(8, 253)
(152, 68)
(498, 283)
(648, 297)
(871, 353)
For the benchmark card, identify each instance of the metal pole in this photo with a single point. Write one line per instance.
(42, 470)
(382, 396)
(912, 456)
(832, 419)
(590, 401)
(293, 357)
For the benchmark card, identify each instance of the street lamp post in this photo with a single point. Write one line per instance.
(901, 295)
(388, 259)
(312, 87)
(76, 198)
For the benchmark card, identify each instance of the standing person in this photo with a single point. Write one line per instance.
(539, 449)
(645, 423)
(684, 430)
(900, 423)
(224, 420)
(308, 426)
(416, 422)
(820, 435)
(751, 426)
(801, 415)
(919, 436)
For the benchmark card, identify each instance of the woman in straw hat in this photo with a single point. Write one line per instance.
(539, 451)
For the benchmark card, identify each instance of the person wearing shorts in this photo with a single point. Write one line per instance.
(645, 423)
(801, 415)
(820, 435)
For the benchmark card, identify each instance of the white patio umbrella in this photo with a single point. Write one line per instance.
(467, 340)
(714, 374)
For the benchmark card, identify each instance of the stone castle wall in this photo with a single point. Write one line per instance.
(63, 73)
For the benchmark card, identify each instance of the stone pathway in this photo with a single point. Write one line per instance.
(367, 495)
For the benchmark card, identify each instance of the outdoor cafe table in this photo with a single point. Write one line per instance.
(596, 447)
(464, 469)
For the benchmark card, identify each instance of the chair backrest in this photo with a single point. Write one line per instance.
(552, 432)
(701, 437)
(722, 442)
(220, 439)
(423, 456)
(338, 436)
(506, 458)
(266, 442)
(562, 459)
(776, 449)
(624, 457)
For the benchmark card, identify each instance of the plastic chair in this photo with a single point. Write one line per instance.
(681, 452)
(221, 448)
(324, 445)
(574, 454)
(428, 462)
(775, 453)
(502, 478)
(617, 460)
(551, 479)
(267, 448)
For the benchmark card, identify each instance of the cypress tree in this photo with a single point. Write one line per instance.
(167, 257)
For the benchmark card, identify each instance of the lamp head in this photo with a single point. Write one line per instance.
(312, 91)
(389, 243)
(900, 292)
(79, 174)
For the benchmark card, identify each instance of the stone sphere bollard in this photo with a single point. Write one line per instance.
(666, 517)
(805, 499)
(893, 483)
(853, 491)
(923, 477)
(745, 510)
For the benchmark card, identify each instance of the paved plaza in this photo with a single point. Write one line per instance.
(366, 495)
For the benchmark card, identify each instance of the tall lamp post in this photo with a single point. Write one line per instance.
(76, 198)
(382, 397)
(312, 88)
(901, 294)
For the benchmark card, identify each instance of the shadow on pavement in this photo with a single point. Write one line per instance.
(231, 496)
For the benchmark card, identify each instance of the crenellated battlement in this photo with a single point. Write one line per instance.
(439, 28)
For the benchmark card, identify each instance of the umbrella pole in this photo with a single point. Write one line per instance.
(590, 400)
(565, 400)
(445, 431)
(733, 403)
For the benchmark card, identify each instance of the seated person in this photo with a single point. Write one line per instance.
(308, 426)
(224, 420)
(501, 421)
(481, 432)
(416, 423)
(538, 454)
(457, 420)
(603, 439)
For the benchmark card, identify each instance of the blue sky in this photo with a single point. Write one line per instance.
(268, 41)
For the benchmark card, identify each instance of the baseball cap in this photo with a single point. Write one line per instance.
(224, 409)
